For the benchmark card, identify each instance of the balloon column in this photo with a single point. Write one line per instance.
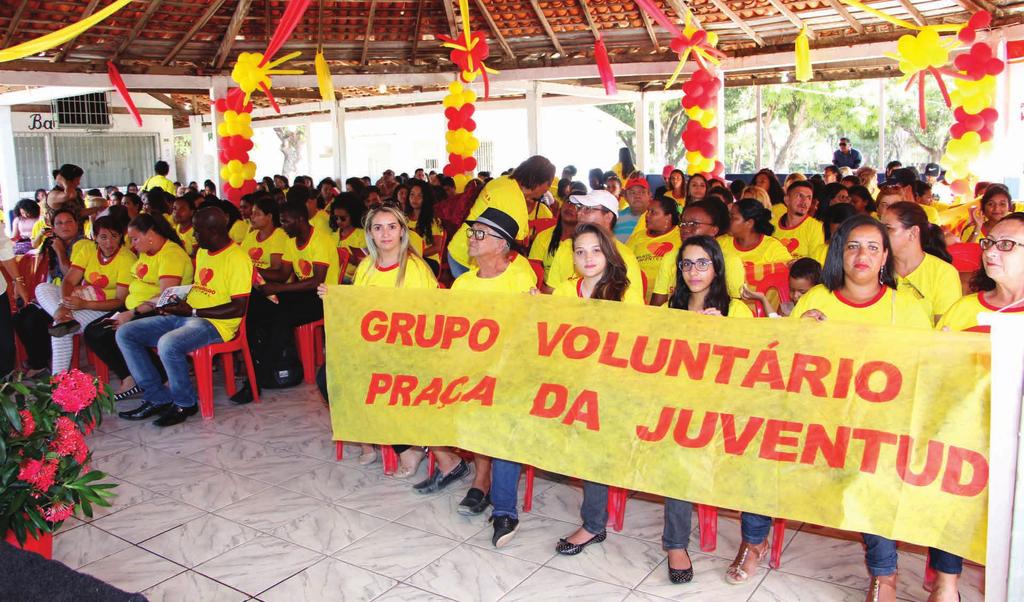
(972, 97)
(459, 140)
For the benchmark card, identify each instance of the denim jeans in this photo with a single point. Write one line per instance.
(505, 487)
(678, 515)
(457, 269)
(881, 557)
(174, 337)
(755, 527)
(594, 510)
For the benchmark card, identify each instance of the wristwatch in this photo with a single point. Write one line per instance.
(194, 314)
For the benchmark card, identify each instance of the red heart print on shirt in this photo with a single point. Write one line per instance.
(305, 268)
(255, 253)
(99, 280)
(141, 270)
(790, 243)
(659, 249)
(205, 275)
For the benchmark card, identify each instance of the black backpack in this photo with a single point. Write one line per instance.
(274, 370)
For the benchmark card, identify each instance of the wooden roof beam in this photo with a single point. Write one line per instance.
(241, 10)
(167, 100)
(416, 32)
(15, 21)
(648, 26)
(590, 20)
(63, 54)
(137, 28)
(792, 17)
(369, 32)
(845, 14)
(449, 12)
(728, 12)
(681, 11)
(914, 13)
(547, 27)
(494, 29)
(203, 20)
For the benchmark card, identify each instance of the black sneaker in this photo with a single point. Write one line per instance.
(505, 528)
(474, 503)
(63, 329)
(135, 391)
(242, 396)
(438, 481)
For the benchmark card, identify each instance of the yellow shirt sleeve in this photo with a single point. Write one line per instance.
(80, 255)
(221, 277)
(739, 309)
(238, 231)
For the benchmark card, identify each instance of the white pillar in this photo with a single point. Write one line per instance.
(883, 108)
(197, 159)
(339, 142)
(533, 118)
(659, 143)
(759, 143)
(8, 166)
(640, 126)
(219, 89)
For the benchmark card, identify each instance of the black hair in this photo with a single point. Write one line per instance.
(716, 210)
(119, 214)
(626, 160)
(981, 281)
(158, 202)
(736, 188)
(831, 168)
(806, 268)
(892, 165)
(283, 178)
(993, 191)
(268, 205)
(910, 215)
(227, 207)
(130, 184)
(70, 171)
(146, 222)
(93, 192)
(162, 168)
(800, 184)
(836, 214)
(775, 192)
(28, 206)
(295, 209)
(852, 179)
(117, 195)
(707, 187)
(108, 222)
(668, 205)
(722, 193)
(596, 178)
(208, 184)
(298, 194)
(133, 199)
(828, 194)
(863, 192)
(718, 293)
(353, 205)
(188, 200)
(752, 209)
(834, 273)
(425, 222)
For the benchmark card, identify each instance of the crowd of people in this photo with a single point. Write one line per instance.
(147, 275)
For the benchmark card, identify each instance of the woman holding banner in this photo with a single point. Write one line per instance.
(859, 286)
(602, 276)
(393, 263)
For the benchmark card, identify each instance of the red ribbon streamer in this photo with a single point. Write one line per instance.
(122, 91)
(604, 68)
(291, 17)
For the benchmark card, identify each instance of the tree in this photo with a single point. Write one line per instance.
(292, 139)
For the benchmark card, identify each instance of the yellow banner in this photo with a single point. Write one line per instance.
(875, 429)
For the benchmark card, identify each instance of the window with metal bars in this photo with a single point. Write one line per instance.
(83, 111)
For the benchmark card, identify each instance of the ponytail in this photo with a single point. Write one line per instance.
(932, 241)
(752, 209)
(146, 222)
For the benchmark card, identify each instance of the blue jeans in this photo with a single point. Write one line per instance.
(755, 527)
(174, 337)
(594, 510)
(457, 269)
(678, 516)
(881, 557)
(504, 487)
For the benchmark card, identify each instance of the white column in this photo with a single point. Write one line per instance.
(883, 108)
(339, 142)
(533, 118)
(759, 140)
(218, 90)
(659, 143)
(642, 139)
(8, 165)
(197, 159)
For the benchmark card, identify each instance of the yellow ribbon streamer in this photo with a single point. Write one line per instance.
(56, 38)
(802, 70)
(323, 77)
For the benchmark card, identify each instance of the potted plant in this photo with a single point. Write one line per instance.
(44, 460)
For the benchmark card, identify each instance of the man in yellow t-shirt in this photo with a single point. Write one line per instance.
(160, 180)
(800, 233)
(508, 193)
(210, 313)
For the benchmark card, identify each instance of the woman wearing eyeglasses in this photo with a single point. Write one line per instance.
(920, 260)
(1000, 281)
(995, 204)
(858, 286)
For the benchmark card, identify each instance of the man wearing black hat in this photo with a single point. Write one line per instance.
(940, 190)
(492, 239)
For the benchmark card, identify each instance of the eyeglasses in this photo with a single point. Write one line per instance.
(702, 265)
(1005, 245)
(890, 188)
(480, 234)
(692, 224)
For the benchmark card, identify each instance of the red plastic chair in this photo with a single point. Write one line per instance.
(528, 470)
(309, 337)
(617, 507)
(202, 359)
(538, 269)
(966, 256)
(707, 520)
(774, 276)
(32, 280)
(643, 279)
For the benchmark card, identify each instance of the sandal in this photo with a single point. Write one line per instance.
(405, 470)
(369, 457)
(736, 574)
(882, 589)
(565, 548)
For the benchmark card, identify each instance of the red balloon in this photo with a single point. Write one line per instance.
(469, 164)
(249, 187)
(960, 187)
(667, 171)
(470, 125)
(451, 112)
(957, 130)
(449, 170)
(986, 133)
(719, 169)
(234, 195)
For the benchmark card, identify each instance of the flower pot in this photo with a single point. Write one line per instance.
(43, 545)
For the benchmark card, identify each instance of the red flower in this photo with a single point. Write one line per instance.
(58, 511)
(38, 473)
(28, 424)
(69, 440)
(75, 390)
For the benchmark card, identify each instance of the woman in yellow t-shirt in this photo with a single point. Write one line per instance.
(422, 221)
(182, 211)
(162, 262)
(922, 264)
(390, 263)
(999, 282)
(265, 244)
(750, 235)
(96, 284)
(696, 188)
(546, 243)
(347, 218)
(858, 287)
(676, 187)
(660, 239)
(995, 204)
(602, 276)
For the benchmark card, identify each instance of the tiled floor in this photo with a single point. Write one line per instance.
(253, 505)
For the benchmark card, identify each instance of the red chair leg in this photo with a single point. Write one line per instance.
(76, 351)
(929, 574)
(318, 346)
(431, 463)
(101, 369)
(707, 519)
(389, 458)
(339, 450)
(778, 538)
(203, 362)
(251, 372)
(304, 343)
(528, 498)
(227, 361)
(617, 507)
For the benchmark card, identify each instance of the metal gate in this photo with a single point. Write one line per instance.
(107, 159)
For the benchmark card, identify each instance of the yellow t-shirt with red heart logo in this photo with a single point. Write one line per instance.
(221, 277)
(650, 250)
(103, 275)
(801, 240)
(171, 261)
(261, 251)
(320, 249)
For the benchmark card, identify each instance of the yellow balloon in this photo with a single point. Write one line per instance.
(694, 112)
(469, 96)
(455, 87)
(708, 120)
(460, 182)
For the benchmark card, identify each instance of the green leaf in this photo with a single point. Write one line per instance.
(3, 451)
(86, 508)
(37, 518)
(11, 411)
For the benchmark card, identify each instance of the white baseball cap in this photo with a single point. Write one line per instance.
(597, 198)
